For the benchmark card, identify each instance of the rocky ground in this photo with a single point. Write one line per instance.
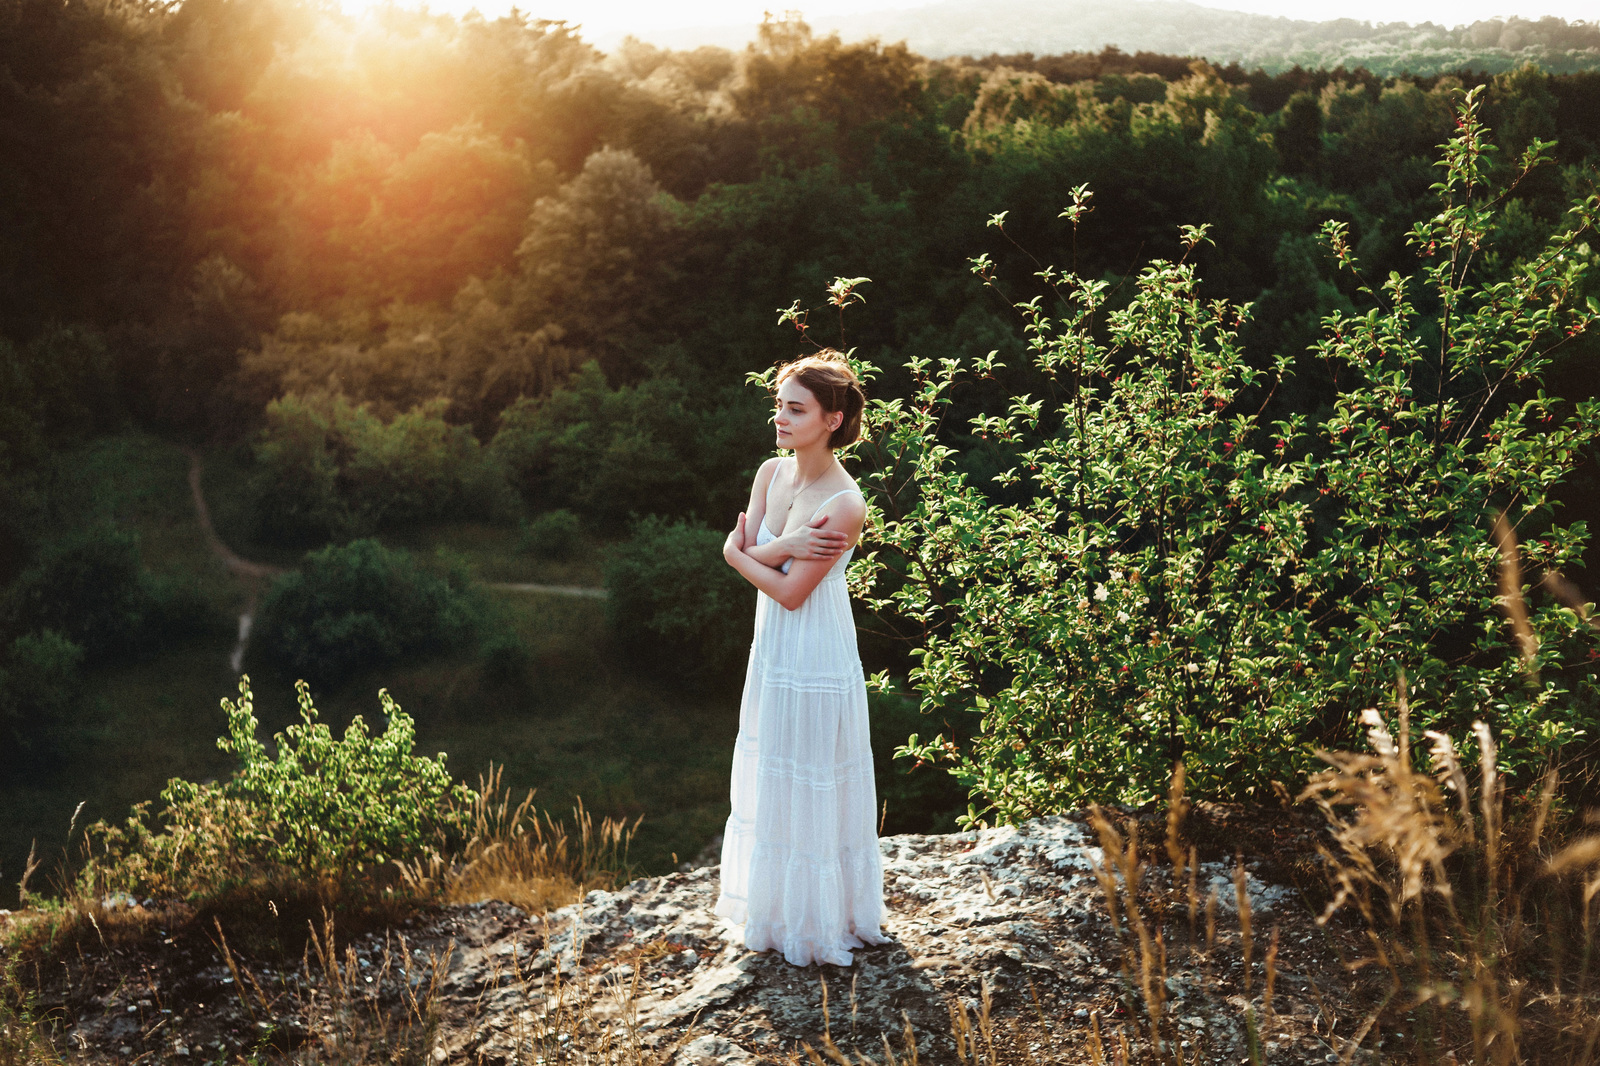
(1016, 916)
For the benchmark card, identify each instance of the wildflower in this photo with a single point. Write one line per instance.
(1193, 668)
(1101, 593)
(1122, 616)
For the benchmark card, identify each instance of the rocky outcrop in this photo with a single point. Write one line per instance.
(1016, 916)
(1010, 924)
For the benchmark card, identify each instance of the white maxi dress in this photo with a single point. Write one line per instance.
(800, 864)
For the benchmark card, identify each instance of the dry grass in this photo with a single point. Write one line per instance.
(516, 853)
(524, 857)
(1482, 924)
(23, 1040)
(1149, 949)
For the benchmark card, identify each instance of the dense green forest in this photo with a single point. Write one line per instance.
(1272, 43)
(411, 269)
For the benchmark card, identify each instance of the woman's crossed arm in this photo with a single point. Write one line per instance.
(848, 514)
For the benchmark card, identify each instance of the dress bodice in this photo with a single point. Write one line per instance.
(766, 536)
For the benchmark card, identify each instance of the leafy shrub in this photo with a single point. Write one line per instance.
(552, 535)
(39, 682)
(320, 807)
(1177, 583)
(506, 657)
(362, 604)
(328, 467)
(674, 599)
(91, 588)
(652, 448)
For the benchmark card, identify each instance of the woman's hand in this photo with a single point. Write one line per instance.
(734, 545)
(811, 541)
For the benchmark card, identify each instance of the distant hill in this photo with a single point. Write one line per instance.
(1042, 27)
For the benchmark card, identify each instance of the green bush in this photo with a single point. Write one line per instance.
(657, 447)
(330, 468)
(320, 807)
(552, 535)
(91, 588)
(506, 657)
(362, 604)
(1169, 577)
(39, 683)
(674, 601)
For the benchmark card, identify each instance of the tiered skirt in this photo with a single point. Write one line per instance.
(800, 864)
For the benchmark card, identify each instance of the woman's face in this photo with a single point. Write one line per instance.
(800, 420)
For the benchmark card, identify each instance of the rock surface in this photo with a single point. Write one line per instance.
(1015, 918)
(1016, 914)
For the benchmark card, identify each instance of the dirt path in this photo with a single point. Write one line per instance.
(242, 567)
(585, 591)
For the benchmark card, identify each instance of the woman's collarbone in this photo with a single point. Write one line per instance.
(810, 496)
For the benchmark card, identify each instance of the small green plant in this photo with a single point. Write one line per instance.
(552, 535)
(319, 807)
(24, 1039)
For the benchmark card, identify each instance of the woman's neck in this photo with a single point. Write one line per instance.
(812, 463)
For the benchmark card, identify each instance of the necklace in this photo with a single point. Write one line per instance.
(801, 488)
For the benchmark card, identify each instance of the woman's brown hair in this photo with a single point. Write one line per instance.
(827, 375)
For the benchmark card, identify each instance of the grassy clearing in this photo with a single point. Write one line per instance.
(140, 481)
(491, 552)
(143, 724)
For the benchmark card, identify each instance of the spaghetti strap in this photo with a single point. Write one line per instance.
(830, 499)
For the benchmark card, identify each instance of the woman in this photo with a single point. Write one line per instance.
(800, 864)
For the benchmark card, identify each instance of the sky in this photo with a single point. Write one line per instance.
(610, 19)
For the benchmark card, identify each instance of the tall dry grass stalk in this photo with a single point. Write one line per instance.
(1469, 920)
(24, 1041)
(1149, 950)
(523, 856)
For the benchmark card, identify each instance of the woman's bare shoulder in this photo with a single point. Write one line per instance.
(847, 502)
(766, 470)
